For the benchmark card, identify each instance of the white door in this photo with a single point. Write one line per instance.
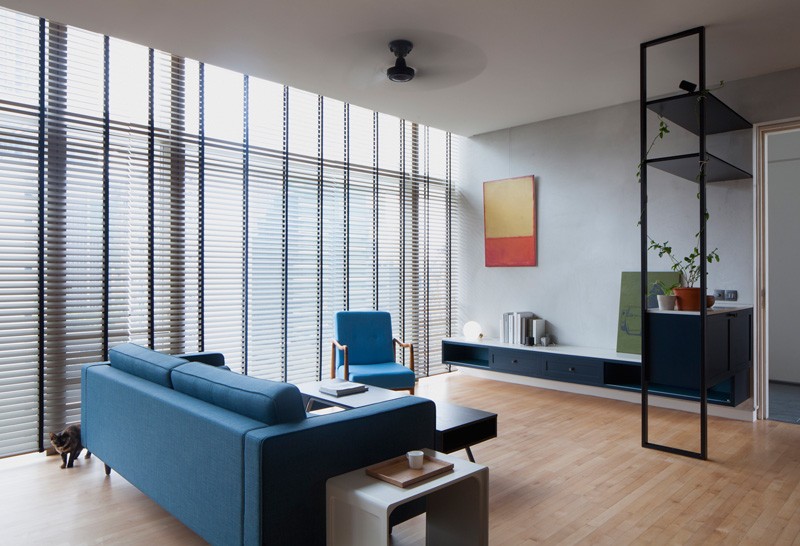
(783, 274)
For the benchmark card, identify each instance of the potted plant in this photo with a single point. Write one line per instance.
(688, 297)
(666, 300)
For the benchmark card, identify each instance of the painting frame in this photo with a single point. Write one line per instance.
(509, 222)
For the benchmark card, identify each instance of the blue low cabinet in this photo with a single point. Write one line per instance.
(517, 362)
(574, 369)
(674, 352)
(675, 357)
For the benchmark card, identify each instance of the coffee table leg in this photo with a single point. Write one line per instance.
(469, 454)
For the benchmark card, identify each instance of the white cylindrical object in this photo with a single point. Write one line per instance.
(416, 459)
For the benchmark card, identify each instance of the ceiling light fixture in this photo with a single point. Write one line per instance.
(400, 72)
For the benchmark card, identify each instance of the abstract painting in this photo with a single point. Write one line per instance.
(509, 218)
(629, 327)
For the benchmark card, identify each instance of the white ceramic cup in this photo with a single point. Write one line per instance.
(415, 459)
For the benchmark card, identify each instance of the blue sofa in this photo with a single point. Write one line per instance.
(235, 458)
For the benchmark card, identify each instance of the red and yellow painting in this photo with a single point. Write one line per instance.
(509, 221)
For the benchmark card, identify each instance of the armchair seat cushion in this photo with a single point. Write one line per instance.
(388, 375)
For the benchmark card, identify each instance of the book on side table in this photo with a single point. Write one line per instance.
(340, 387)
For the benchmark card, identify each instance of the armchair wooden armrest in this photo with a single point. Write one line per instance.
(334, 346)
(410, 348)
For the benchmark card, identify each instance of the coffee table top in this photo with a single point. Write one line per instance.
(451, 416)
(373, 395)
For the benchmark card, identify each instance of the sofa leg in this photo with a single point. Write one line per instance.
(108, 470)
(411, 391)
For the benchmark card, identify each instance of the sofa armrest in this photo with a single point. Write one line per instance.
(208, 357)
(287, 466)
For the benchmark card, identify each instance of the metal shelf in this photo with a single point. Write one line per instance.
(684, 111)
(687, 166)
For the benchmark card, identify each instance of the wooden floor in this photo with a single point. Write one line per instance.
(564, 469)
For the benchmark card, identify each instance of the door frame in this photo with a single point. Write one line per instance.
(761, 387)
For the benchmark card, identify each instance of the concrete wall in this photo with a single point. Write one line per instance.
(783, 204)
(588, 209)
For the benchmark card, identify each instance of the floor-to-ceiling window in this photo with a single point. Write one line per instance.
(154, 199)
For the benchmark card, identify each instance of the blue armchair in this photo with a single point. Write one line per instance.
(364, 351)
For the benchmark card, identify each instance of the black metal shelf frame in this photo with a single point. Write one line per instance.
(701, 107)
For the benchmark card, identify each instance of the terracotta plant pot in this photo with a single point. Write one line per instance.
(688, 299)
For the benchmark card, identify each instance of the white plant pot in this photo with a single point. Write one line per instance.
(666, 303)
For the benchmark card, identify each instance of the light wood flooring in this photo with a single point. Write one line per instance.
(564, 469)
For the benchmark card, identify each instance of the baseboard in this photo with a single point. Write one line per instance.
(745, 411)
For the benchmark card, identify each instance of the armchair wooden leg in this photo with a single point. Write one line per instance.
(411, 390)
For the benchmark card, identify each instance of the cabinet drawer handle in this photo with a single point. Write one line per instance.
(572, 368)
(514, 361)
(734, 315)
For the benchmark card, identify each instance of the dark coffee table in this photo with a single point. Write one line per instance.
(457, 427)
(460, 427)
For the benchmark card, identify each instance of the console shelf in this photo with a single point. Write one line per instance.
(730, 376)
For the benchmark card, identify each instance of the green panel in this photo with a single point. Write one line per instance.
(629, 319)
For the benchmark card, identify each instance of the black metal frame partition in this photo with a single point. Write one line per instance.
(701, 179)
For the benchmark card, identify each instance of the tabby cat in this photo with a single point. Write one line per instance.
(68, 442)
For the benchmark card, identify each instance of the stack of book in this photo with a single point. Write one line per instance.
(340, 387)
(517, 327)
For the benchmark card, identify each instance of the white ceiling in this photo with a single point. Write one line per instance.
(482, 64)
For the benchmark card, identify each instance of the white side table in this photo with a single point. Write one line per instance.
(359, 506)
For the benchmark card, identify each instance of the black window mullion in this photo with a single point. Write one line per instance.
(375, 211)
(41, 234)
(151, 193)
(403, 232)
(427, 260)
(449, 234)
(246, 220)
(201, 178)
(320, 228)
(106, 194)
(285, 236)
(346, 206)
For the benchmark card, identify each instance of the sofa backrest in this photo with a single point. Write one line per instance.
(142, 362)
(270, 402)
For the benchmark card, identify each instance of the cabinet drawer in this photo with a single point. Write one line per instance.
(519, 362)
(575, 371)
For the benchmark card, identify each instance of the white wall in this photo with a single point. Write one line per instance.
(783, 204)
(588, 208)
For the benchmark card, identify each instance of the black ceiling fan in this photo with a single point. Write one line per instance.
(400, 72)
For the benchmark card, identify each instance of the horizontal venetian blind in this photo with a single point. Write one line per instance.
(303, 213)
(149, 198)
(174, 186)
(224, 215)
(266, 230)
(19, 233)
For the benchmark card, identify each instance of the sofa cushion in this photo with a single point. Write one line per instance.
(270, 402)
(388, 375)
(142, 362)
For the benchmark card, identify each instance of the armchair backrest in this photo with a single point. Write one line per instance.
(367, 334)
